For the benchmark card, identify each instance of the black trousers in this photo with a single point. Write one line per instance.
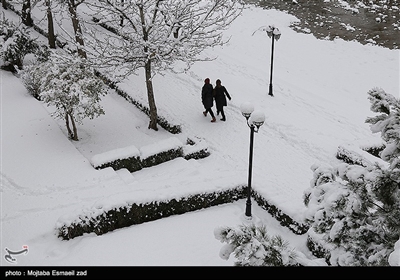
(221, 109)
(211, 112)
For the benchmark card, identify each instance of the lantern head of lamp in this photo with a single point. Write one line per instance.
(254, 118)
(257, 119)
(272, 30)
(247, 108)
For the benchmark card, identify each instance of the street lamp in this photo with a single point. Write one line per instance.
(254, 121)
(273, 32)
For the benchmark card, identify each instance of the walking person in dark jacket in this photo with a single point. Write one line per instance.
(207, 98)
(220, 99)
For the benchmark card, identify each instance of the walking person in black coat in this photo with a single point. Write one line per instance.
(220, 99)
(207, 98)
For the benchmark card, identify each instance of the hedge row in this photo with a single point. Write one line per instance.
(351, 157)
(134, 213)
(360, 158)
(318, 250)
(162, 157)
(375, 150)
(137, 213)
(284, 219)
(135, 160)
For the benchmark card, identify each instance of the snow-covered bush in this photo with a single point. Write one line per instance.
(161, 151)
(15, 44)
(193, 150)
(355, 207)
(133, 159)
(252, 246)
(284, 219)
(127, 157)
(70, 85)
(101, 219)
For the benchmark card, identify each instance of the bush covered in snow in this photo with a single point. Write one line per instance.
(161, 151)
(284, 219)
(252, 246)
(195, 150)
(15, 44)
(69, 84)
(135, 159)
(354, 207)
(127, 157)
(100, 221)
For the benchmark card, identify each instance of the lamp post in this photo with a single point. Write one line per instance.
(273, 32)
(254, 121)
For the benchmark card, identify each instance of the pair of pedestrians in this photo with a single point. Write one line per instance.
(219, 93)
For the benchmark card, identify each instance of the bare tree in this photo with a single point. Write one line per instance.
(153, 34)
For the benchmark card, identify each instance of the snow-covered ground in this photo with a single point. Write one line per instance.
(320, 102)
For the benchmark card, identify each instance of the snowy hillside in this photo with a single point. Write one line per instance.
(320, 102)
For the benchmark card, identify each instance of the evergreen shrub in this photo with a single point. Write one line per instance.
(353, 208)
(375, 150)
(135, 161)
(132, 164)
(203, 153)
(137, 213)
(284, 219)
(162, 157)
(15, 44)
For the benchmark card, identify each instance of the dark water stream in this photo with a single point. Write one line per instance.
(374, 22)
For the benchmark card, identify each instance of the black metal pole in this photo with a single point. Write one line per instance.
(272, 64)
(248, 202)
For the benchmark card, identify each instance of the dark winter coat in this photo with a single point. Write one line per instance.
(207, 95)
(220, 99)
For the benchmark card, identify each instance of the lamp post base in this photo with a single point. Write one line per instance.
(253, 220)
(248, 208)
(270, 90)
(246, 220)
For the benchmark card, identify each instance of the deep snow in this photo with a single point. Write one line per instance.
(319, 103)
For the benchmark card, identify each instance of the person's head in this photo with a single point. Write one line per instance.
(207, 81)
(218, 82)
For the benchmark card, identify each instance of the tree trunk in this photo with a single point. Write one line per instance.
(4, 4)
(75, 136)
(26, 13)
(72, 134)
(150, 96)
(67, 124)
(50, 23)
(147, 69)
(77, 28)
